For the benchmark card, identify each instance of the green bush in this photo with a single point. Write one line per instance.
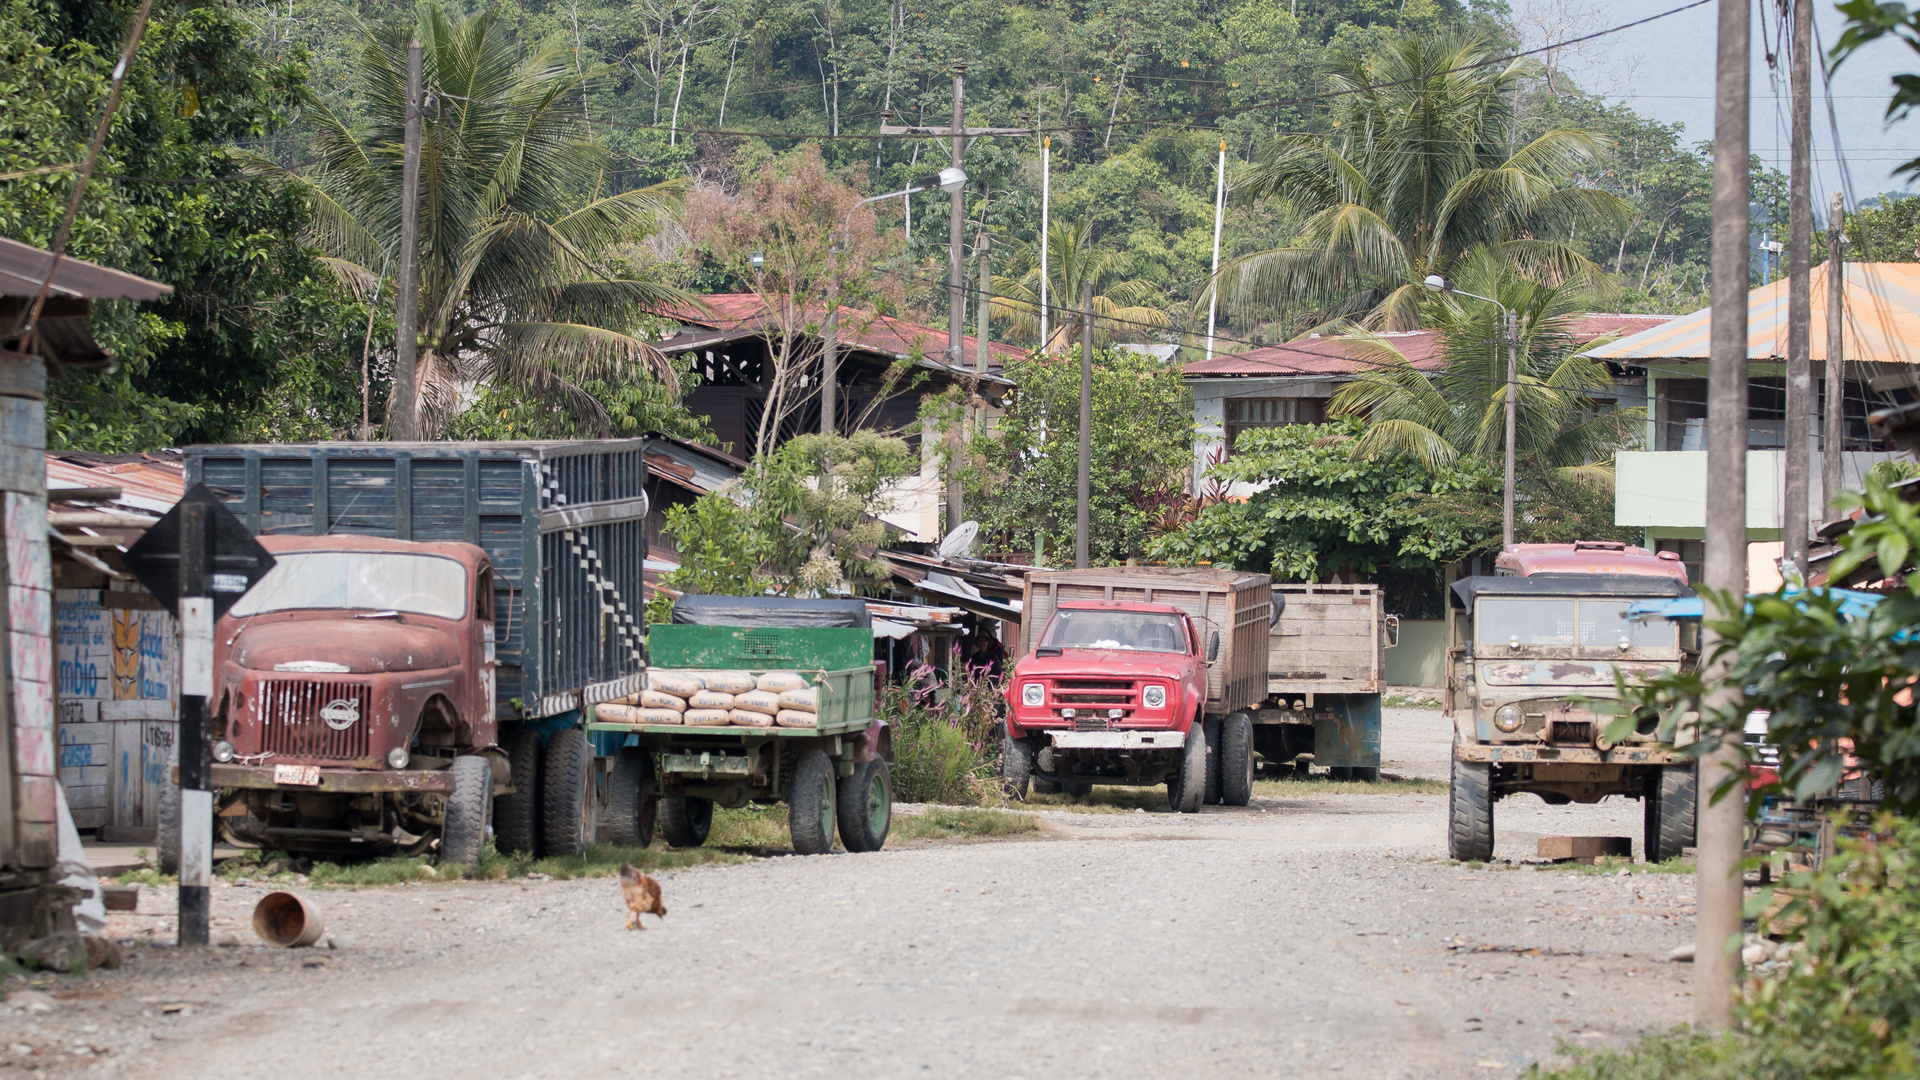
(945, 743)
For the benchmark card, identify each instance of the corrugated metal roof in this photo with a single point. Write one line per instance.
(148, 483)
(1348, 355)
(1881, 312)
(23, 267)
(737, 315)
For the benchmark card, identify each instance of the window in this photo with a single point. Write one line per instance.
(359, 581)
(1140, 631)
(1245, 413)
(1560, 622)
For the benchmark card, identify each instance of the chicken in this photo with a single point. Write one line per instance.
(642, 893)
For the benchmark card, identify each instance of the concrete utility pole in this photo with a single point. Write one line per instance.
(956, 282)
(1717, 922)
(196, 689)
(1046, 201)
(1513, 423)
(1834, 432)
(1219, 215)
(405, 408)
(1083, 503)
(1799, 294)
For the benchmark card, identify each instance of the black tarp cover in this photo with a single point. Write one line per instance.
(1466, 590)
(771, 611)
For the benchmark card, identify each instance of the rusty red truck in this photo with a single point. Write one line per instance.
(413, 674)
(1533, 653)
(1139, 676)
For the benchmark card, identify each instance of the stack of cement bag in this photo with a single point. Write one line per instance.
(719, 699)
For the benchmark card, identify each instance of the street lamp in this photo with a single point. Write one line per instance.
(1436, 283)
(758, 259)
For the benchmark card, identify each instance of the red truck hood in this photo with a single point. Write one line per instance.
(363, 645)
(1110, 663)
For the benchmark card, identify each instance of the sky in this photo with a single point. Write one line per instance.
(1665, 70)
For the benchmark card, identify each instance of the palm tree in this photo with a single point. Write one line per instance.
(1460, 410)
(1422, 169)
(517, 276)
(1121, 308)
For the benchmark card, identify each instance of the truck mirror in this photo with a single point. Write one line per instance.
(1279, 605)
(1213, 646)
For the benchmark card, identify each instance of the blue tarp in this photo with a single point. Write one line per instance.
(1853, 604)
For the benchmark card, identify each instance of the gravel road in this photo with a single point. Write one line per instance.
(1319, 936)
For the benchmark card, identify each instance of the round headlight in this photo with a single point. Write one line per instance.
(398, 757)
(1155, 697)
(223, 751)
(1033, 695)
(1507, 718)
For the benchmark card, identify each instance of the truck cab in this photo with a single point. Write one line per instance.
(1533, 654)
(352, 681)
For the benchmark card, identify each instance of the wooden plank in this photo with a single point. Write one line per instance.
(1583, 848)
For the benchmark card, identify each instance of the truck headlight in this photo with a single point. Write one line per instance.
(1033, 695)
(398, 757)
(1155, 697)
(1507, 718)
(223, 751)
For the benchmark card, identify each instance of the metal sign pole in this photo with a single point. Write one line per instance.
(196, 686)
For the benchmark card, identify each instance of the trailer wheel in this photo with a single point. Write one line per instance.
(516, 817)
(1236, 759)
(1189, 785)
(1670, 803)
(632, 802)
(686, 821)
(1077, 789)
(1470, 811)
(1212, 797)
(566, 794)
(865, 806)
(810, 804)
(469, 811)
(1016, 765)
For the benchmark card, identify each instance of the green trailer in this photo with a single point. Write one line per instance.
(833, 775)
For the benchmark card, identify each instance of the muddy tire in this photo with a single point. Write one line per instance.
(566, 794)
(865, 806)
(1470, 811)
(686, 821)
(1016, 765)
(1670, 805)
(1236, 759)
(633, 801)
(810, 805)
(1077, 789)
(1189, 784)
(463, 839)
(516, 817)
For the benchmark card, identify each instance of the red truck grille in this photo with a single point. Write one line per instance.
(305, 719)
(1075, 693)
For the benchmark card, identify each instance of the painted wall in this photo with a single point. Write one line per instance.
(116, 694)
(1668, 489)
(1421, 657)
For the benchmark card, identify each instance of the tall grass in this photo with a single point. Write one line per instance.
(946, 737)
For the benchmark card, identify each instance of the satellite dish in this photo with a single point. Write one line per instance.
(960, 540)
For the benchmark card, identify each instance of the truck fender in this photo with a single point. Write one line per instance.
(876, 741)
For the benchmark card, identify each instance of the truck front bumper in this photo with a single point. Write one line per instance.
(333, 781)
(1118, 740)
(1572, 755)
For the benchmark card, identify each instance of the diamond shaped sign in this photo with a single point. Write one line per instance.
(234, 564)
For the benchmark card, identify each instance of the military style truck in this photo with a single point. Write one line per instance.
(1532, 654)
(1139, 676)
(413, 673)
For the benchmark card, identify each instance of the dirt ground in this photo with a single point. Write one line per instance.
(1310, 936)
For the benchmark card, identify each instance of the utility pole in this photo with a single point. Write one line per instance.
(1219, 215)
(1083, 502)
(196, 687)
(405, 409)
(983, 313)
(1721, 820)
(956, 283)
(1834, 432)
(1513, 423)
(1799, 289)
(1046, 201)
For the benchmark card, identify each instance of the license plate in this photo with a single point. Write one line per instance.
(302, 775)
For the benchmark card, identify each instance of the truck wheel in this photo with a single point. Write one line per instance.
(516, 817)
(1470, 811)
(469, 811)
(1212, 797)
(810, 803)
(685, 822)
(1077, 789)
(1188, 785)
(865, 806)
(632, 802)
(566, 794)
(1016, 765)
(166, 839)
(1670, 802)
(1236, 759)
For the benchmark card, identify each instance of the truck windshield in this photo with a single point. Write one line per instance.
(1566, 622)
(1143, 631)
(363, 580)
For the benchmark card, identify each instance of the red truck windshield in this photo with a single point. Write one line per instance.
(365, 580)
(1141, 631)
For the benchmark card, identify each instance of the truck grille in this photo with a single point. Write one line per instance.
(1090, 723)
(1579, 732)
(1077, 693)
(292, 724)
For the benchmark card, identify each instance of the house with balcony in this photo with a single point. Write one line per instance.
(1661, 487)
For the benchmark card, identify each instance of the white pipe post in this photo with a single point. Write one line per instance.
(1046, 200)
(1219, 212)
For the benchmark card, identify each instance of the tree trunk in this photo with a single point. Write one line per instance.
(733, 51)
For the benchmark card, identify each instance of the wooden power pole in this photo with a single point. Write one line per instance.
(1799, 291)
(405, 408)
(1833, 433)
(1721, 821)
